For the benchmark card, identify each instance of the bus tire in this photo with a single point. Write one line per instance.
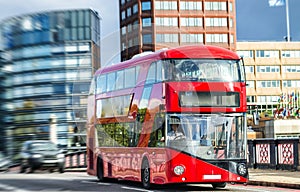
(218, 185)
(145, 174)
(100, 169)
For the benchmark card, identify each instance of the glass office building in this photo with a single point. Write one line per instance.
(50, 57)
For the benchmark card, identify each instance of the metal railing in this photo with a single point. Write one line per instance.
(274, 154)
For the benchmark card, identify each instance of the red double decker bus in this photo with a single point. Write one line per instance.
(173, 116)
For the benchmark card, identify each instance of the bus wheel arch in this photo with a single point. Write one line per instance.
(100, 169)
(145, 173)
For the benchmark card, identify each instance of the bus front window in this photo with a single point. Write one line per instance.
(208, 136)
(203, 70)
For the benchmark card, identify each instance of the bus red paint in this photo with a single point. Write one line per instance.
(199, 91)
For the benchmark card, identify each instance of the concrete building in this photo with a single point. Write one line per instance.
(51, 57)
(150, 25)
(273, 78)
(273, 71)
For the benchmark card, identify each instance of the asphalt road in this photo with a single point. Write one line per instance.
(80, 181)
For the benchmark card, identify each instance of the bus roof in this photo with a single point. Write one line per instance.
(194, 51)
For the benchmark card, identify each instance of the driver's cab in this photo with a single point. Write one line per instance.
(190, 134)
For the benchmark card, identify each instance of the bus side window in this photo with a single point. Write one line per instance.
(158, 133)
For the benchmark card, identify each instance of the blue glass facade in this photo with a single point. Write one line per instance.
(51, 57)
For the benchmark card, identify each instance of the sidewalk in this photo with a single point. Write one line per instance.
(274, 178)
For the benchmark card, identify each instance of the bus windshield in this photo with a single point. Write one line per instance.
(203, 70)
(208, 136)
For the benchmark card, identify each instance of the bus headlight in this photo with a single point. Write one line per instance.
(179, 170)
(242, 169)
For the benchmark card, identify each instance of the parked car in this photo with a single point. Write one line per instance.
(41, 154)
(5, 162)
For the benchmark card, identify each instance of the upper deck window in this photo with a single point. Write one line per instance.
(203, 70)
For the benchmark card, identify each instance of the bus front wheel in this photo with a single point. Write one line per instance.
(218, 185)
(145, 174)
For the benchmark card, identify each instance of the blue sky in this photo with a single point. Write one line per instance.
(256, 21)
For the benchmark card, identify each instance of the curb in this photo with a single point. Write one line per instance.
(274, 184)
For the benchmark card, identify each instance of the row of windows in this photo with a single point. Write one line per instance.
(187, 21)
(47, 50)
(187, 38)
(52, 63)
(51, 76)
(38, 37)
(47, 21)
(172, 5)
(192, 5)
(273, 69)
(42, 90)
(126, 78)
(267, 98)
(130, 27)
(270, 53)
(271, 83)
(46, 102)
(286, 83)
(40, 116)
(173, 38)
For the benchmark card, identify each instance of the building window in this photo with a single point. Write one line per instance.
(190, 5)
(128, 11)
(135, 9)
(217, 38)
(268, 69)
(191, 38)
(291, 83)
(123, 15)
(267, 99)
(292, 53)
(167, 38)
(250, 84)
(249, 69)
(216, 22)
(245, 53)
(146, 22)
(250, 99)
(166, 21)
(230, 7)
(230, 22)
(215, 6)
(190, 22)
(268, 84)
(165, 5)
(123, 30)
(267, 53)
(146, 6)
(147, 39)
(291, 69)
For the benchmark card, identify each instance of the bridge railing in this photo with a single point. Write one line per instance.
(274, 154)
(76, 159)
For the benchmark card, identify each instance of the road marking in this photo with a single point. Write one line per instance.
(11, 188)
(94, 182)
(136, 189)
